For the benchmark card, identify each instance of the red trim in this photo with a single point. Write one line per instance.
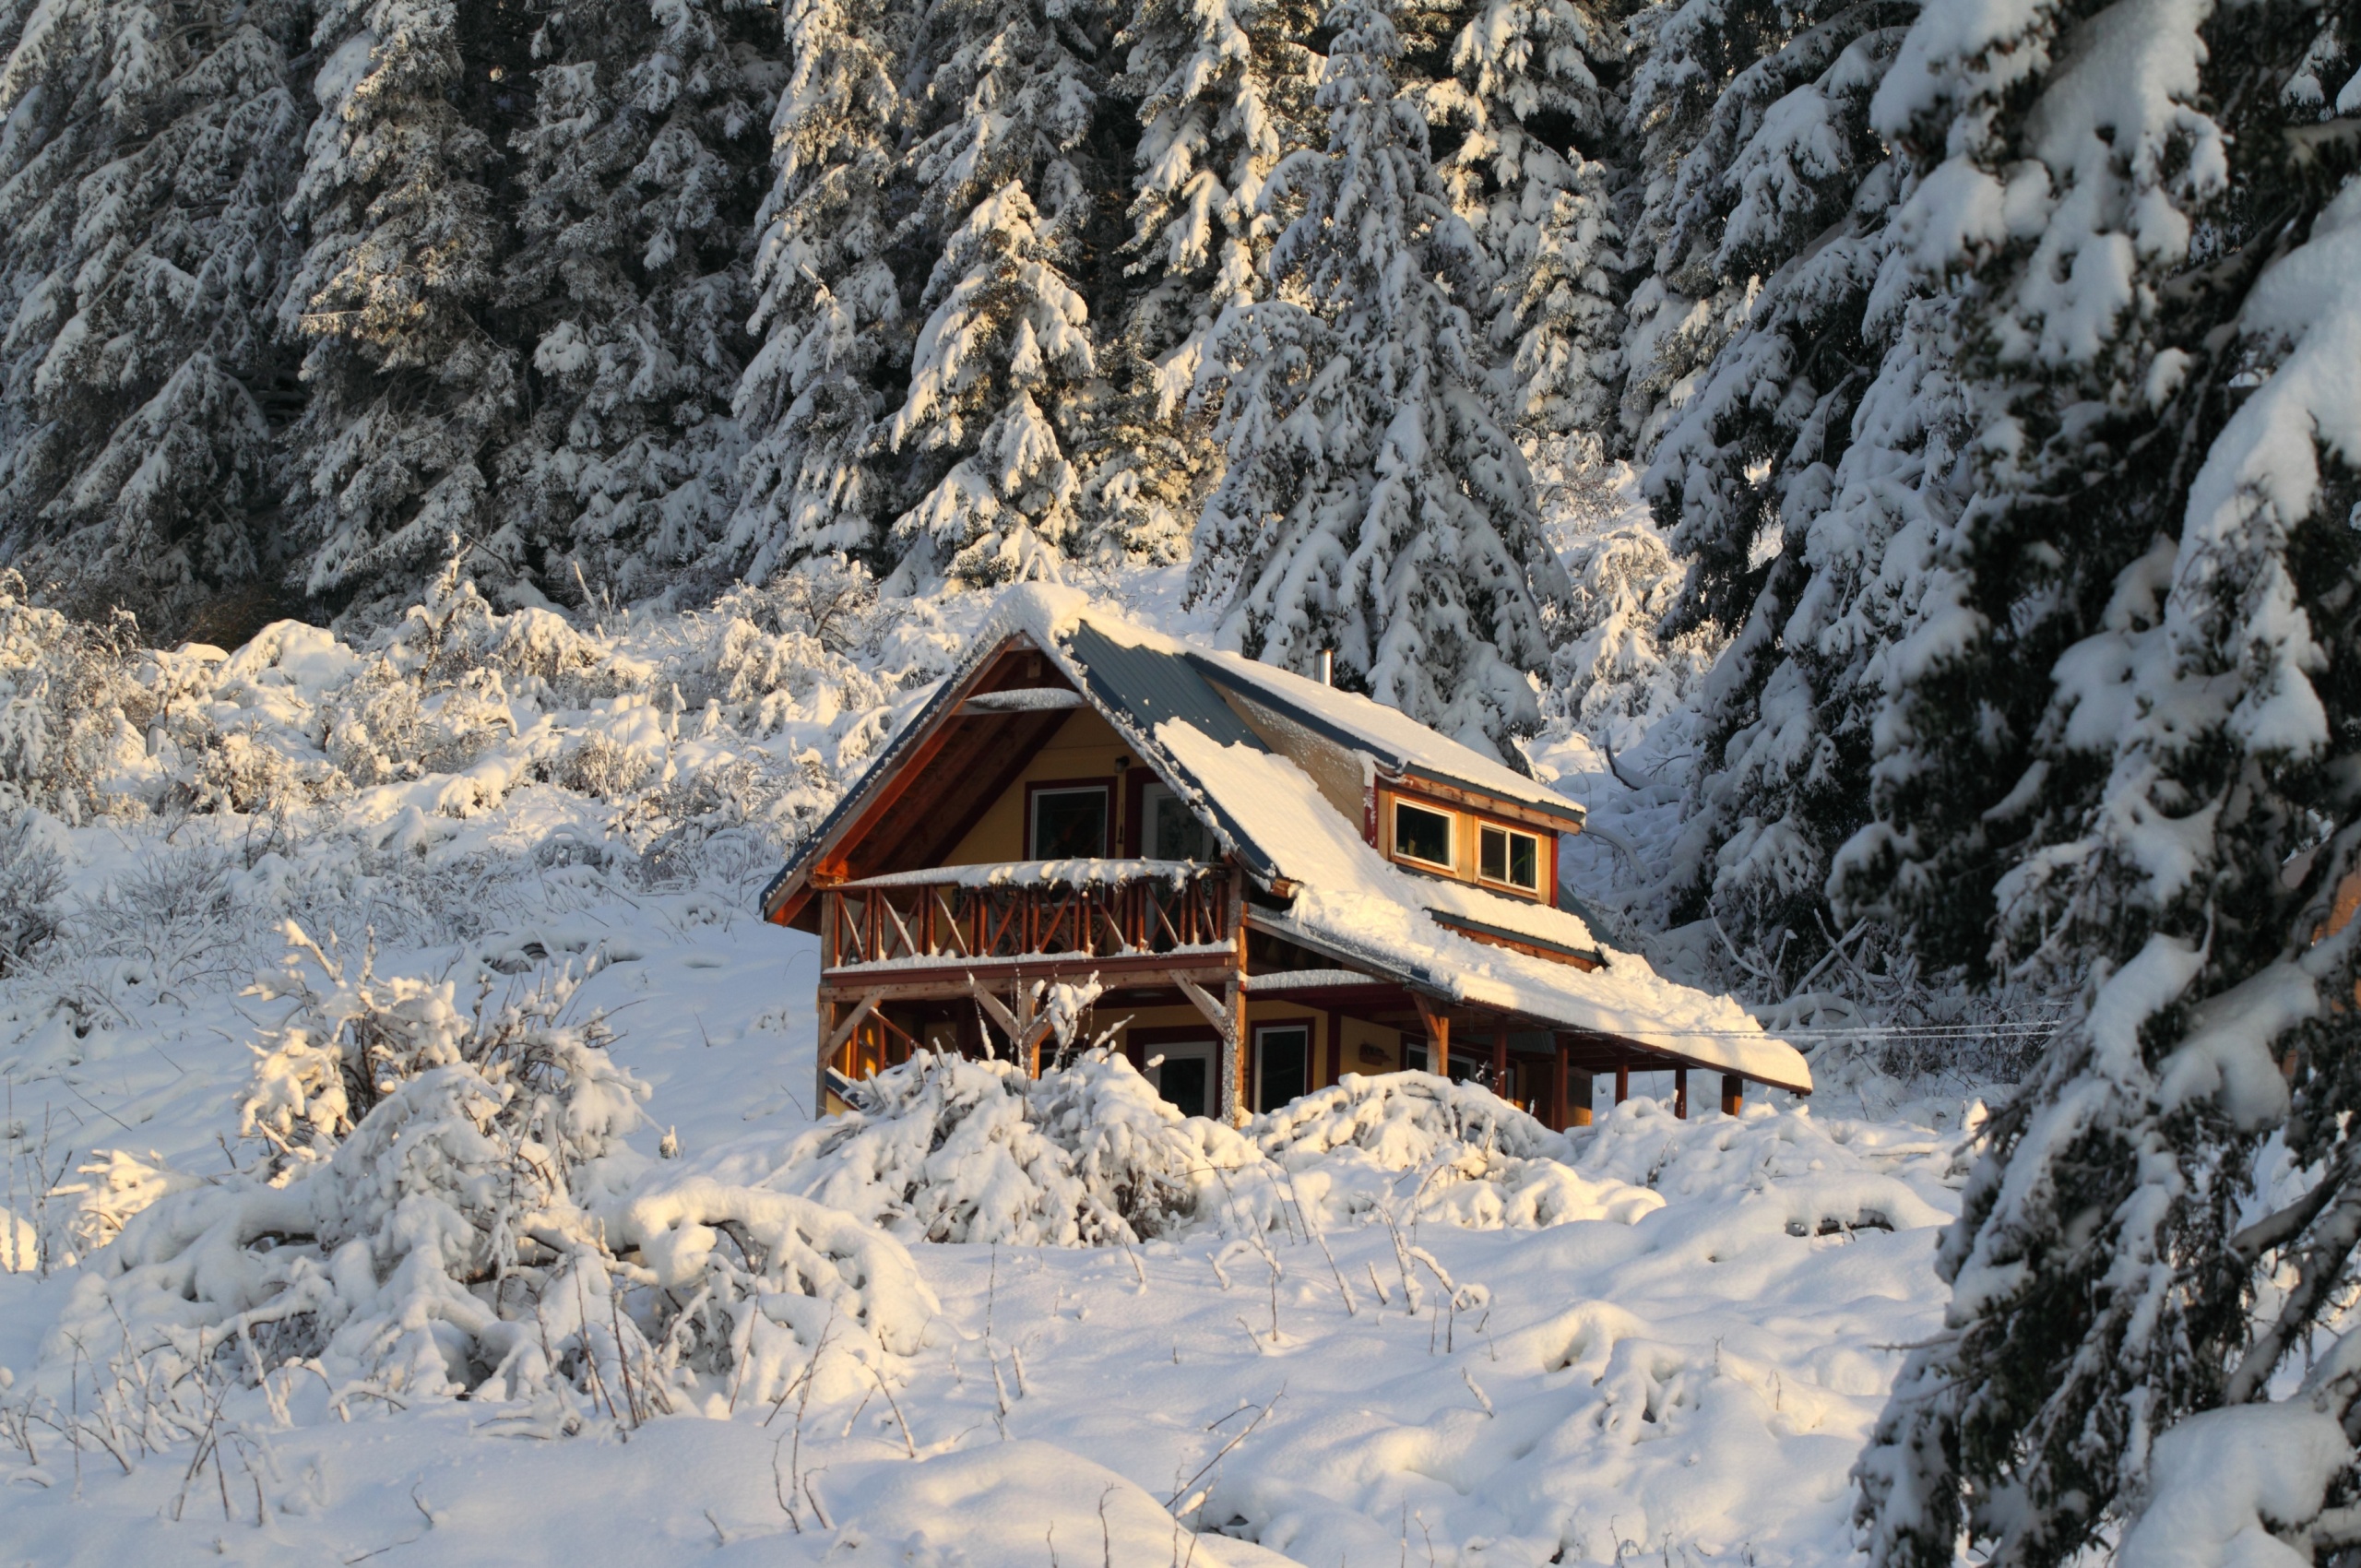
(1136, 778)
(1310, 1028)
(1040, 786)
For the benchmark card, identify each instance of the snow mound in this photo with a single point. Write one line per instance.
(1435, 1150)
(947, 1149)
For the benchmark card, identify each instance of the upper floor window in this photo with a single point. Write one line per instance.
(1069, 823)
(1422, 835)
(1170, 831)
(1506, 856)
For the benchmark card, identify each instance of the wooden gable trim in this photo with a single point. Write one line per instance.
(828, 862)
(1415, 783)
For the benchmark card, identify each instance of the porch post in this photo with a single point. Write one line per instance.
(1500, 1063)
(1438, 1023)
(1733, 1094)
(1623, 1082)
(1558, 1108)
(827, 1019)
(1234, 1007)
(1680, 1093)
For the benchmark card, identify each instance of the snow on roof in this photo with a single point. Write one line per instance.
(1400, 744)
(1065, 619)
(1353, 904)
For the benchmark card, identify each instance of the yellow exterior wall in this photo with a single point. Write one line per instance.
(1086, 746)
(1361, 1036)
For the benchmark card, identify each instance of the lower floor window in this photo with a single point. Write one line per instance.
(1282, 1065)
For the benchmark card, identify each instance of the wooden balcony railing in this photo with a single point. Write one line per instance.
(1085, 909)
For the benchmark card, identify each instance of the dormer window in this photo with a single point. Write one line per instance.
(1506, 856)
(1421, 834)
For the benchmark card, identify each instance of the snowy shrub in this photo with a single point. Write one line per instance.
(1414, 1145)
(446, 1207)
(32, 878)
(947, 1149)
(70, 709)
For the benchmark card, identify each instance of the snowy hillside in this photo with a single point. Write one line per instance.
(260, 1308)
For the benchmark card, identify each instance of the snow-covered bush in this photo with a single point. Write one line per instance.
(448, 1207)
(947, 1149)
(70, 710)
(1416, 1145)
(32, 879)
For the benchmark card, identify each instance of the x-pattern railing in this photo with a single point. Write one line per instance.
(957, 919)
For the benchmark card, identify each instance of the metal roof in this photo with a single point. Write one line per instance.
(1139, 688)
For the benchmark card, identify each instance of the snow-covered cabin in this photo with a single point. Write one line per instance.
(1271, 882)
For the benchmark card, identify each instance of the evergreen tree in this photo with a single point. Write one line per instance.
(1224, 92)
(1373, 504)
(146, 154)
(1521, 98)
(2130, 1283)
(412, 387)
(1748, 134)
(639, 178)
(829, 308)
(1007, 186)
(1812, 440)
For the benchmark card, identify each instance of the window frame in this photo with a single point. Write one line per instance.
(1103, 787)
(1509, 835)
(1310, 1052)
(1450, 834)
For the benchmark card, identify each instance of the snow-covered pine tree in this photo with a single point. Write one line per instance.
(1223, 89)
(2166, 1217)
(1373, 504)
(639, 178)
(411, 388)
(1785, 196)
(1747, 124)
(1015, 166)
(147, 151)
(1522, 99)
(829, 310)
(2090, 301)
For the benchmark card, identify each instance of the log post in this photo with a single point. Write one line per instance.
(1500, 1063)
(827, 1019)
(1234, 1005)
(1558, 1110)
(1733, 1094)
(1623, 1082)
(1438, 1023)
(1581, 1086)
(1680, 1093)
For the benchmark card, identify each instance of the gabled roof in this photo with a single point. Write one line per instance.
(1341, 898)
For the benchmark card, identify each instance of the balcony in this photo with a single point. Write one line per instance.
(1031, 917)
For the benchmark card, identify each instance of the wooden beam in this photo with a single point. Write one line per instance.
(1215, 1010)
(1733, 1094)
(1438, 1023)
(1560, 1112)
(1680, 1093)
(1623, 1082)
(1234, 1000)
(851, 1021)
(902, 981)
(1500, 1063)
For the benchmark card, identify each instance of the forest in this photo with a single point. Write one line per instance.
(1924, 438)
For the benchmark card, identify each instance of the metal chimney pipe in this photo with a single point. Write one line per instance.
(1327, 667)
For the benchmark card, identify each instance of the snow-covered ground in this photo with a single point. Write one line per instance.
(1398, 1324)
